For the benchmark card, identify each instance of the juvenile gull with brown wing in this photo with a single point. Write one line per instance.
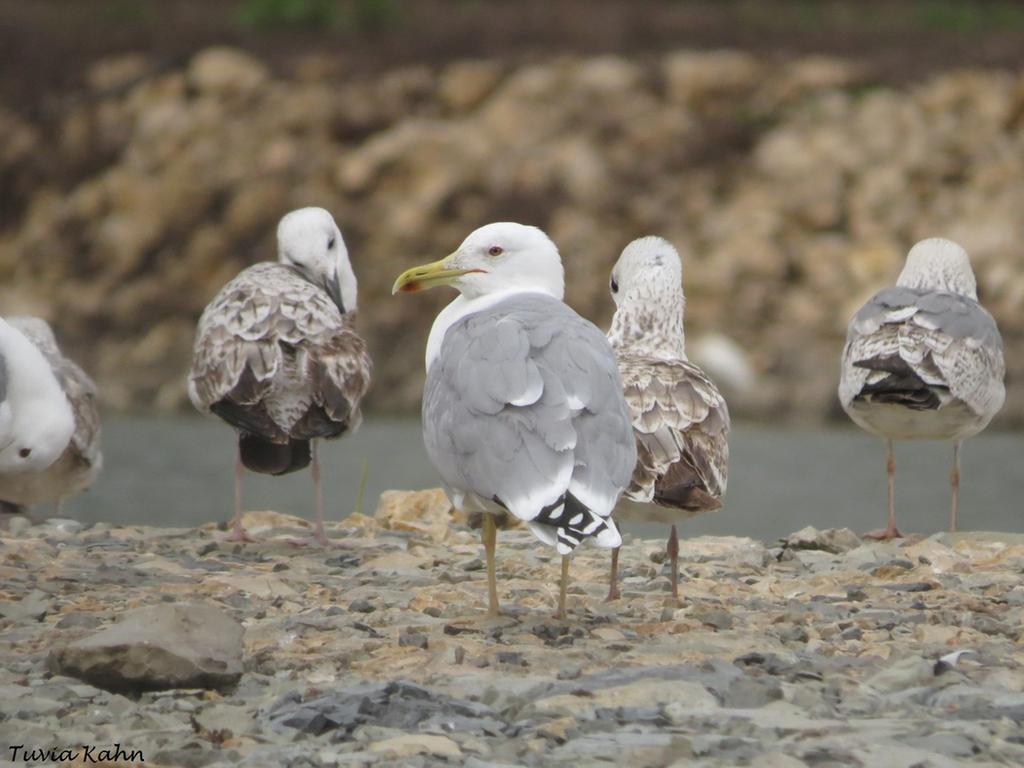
(276, 355)
(680, 419)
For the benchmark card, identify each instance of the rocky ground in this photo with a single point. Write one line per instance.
(793, 187)
(820, 651)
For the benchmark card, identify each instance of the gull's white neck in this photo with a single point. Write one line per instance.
(460, 308)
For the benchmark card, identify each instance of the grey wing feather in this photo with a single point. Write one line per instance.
(947, 341)
(523, 405)
(78, 387)
(681, 422)
(276, 352)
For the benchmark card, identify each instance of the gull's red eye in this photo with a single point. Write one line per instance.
(496, 250)
(25, 453)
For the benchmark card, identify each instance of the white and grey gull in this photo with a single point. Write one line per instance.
(49, 419)
(924, 361)
(277, 356)
(680, 419)
(522, 408)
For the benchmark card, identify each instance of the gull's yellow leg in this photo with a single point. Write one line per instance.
(613, 579)
(564, 586)
(490, 537)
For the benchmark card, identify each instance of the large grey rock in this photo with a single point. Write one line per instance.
(186, 645)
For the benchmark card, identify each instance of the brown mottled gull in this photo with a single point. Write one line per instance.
(680, 419)
(522, 409)
(924, 361)
(49, 420)
(276, 355)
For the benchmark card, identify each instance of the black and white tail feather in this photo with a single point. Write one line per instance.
(566, 522)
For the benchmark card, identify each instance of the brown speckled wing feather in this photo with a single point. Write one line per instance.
(340, 374)
(275, 357)
(681, 424)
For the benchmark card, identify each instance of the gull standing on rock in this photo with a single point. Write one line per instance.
(276, 356)
(49, 420)
(680, 419)
(924, 360)
(522, 407)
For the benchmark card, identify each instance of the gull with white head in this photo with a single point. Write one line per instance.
(522, 408)
(680, 419)
(277, 357)
(49, 420)
(924, 361)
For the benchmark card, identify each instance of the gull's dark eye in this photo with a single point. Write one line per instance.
(25, 453)
(330, 244)
(495, 250)
(615, 286)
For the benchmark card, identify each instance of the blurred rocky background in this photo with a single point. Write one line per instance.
(793, 151)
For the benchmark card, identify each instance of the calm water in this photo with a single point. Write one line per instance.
(178, 472)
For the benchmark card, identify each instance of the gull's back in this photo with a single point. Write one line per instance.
(920, 363)
(275, 358)
(523, 408)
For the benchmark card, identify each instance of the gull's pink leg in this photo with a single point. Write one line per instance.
(954, 481)
(673, 557)
(318, 496)
(890, 531)
(319, 535)
(238, 532)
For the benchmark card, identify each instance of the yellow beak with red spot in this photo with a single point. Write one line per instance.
(429, 275)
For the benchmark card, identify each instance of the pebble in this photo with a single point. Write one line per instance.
(851, 633)
(413, 639)
(79, 620)
(361, 606)
(570, 672)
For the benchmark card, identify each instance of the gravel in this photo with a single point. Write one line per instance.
(768, 661)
